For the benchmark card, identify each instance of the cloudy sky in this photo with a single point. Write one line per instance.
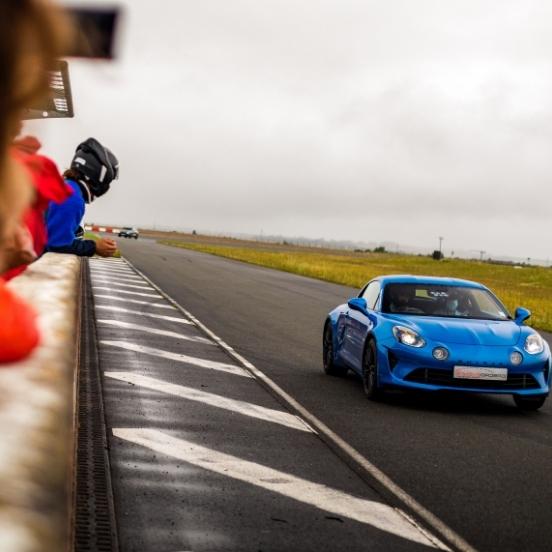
(394, 120)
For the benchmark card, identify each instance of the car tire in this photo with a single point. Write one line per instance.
(370, 372)
(529, 404)
(328, 357)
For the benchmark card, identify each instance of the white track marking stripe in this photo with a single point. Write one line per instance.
(371, 473)
(103, 288)
(121, 268)
(134, 301)
(118, 280)
(369, 512)
(132, 286)
(155, 331)
(160, 353)
(241, 407)
(113, 274)
(115, 268)
(147, 314)
(109, 266)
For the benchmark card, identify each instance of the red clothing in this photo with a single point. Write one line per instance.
(18, 330)
(49, 185)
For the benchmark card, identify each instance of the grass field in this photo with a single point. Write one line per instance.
(530, 287)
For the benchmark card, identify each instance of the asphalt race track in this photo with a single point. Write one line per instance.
(203, 458)
(479, 464)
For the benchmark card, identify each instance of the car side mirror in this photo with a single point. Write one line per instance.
(521, 315)
(358, 304)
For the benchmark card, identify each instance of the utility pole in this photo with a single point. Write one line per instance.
(441, 246)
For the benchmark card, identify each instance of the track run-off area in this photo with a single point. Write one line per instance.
(206, 455)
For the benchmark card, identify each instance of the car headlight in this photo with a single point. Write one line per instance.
(406, 336)
(534, 344)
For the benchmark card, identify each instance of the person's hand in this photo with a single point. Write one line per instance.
(18, 249)
(106, 247)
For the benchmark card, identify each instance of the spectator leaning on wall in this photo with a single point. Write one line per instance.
(48, 186)
(32, 35)
(92, 170)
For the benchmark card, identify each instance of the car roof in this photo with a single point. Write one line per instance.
(435, 280)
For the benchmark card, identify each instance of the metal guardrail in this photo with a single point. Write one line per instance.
(37, 414)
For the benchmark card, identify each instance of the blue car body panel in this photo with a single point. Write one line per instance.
(470, 342)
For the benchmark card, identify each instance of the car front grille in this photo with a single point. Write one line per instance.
(445, 378)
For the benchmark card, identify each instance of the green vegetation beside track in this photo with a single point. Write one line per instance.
(526, 286)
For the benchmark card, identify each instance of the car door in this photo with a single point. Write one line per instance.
(359, 324)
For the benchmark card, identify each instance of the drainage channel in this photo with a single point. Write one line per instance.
(94, 517)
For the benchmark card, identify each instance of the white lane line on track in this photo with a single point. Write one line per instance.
(131, 278)
(121, 268)
(99, 260)
(155, 331)
(160, 353)
(241, 407)
(131, 286)
(112, 274)
(369, 471)
(133, 301)
(147, 314)
(111, 268)
(105, 280)
(369, 512)
(115, 269)
(104, 288)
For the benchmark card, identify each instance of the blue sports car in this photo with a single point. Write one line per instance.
(425, 333)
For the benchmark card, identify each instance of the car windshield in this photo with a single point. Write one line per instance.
(443, 301)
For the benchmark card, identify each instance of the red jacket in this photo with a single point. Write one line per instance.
(49, 186)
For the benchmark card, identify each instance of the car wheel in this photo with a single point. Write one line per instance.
(370, 372)
(328, 358)
(529, 403)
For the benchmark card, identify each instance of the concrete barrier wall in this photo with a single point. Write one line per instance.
(36, 414)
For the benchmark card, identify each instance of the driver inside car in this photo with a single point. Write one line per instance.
(401, 300)
(453, 305)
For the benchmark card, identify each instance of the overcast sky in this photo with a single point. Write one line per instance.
(394, 120)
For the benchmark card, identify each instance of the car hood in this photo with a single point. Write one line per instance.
(494, 333)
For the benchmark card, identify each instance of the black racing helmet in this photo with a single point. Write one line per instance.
(97, 164)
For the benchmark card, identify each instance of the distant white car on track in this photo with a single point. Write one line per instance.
(128, 232)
